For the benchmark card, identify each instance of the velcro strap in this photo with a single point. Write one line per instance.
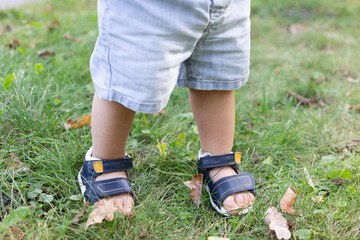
(110, 187)
(217, 161)
(104, 166)
(226, 186)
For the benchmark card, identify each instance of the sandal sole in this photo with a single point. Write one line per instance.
(222, 210)
(81, 184)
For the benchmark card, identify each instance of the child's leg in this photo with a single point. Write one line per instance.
(214, 113)
(110, 127)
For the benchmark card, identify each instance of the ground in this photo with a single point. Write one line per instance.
(297, 124)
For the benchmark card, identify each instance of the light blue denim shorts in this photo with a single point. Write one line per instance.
(147, 47)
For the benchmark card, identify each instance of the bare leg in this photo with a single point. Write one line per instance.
(110, 127)
(214, 113)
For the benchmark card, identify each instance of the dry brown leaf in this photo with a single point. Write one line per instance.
(16, 165)
(78, 123)
(14, 44)
(71, 38)
(302, 100)
(277, 223)
(295, 29)
(287, 201)
(81, 213)
(351, 79)
(338, 181)
(46, 53)
(347, 147)
(8, 28)
(355, 108)
(103, 209)
(195, 186)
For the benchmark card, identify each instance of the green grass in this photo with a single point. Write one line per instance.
(311, 62)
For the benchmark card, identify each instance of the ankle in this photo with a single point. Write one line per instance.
(111, 175)
(220, 172)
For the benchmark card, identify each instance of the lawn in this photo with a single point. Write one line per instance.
(297, 124)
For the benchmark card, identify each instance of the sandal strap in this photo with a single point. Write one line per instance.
(226, 186)
(104, 166)
(217, 161)
(118, 164)
(106, 188)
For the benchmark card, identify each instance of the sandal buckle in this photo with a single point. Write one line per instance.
(98, 166)
(238, 157)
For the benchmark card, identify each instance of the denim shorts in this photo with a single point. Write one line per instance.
(147, 47)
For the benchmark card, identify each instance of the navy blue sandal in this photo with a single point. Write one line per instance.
(93, 167)
(225, 186)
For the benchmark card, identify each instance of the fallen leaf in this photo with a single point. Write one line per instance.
(81, 213)
(349, 147)
(355, 108)
(46, 53)
(295, 29)
(195, 186)
(68, 37)
(353, 144)
(351, 79)
(16, 165)
(291, 224)
(78, 123)
(8, 28)
(302, 100)
(277, 223)
(347, 72)
(54, 24)
(14, 44)
(162, 112)
(287, 201)
(338, 181)
(103, 209)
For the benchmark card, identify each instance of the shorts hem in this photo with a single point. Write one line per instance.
(111, 95)
(211, 84)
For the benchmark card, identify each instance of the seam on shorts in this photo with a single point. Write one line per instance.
(107, 42)
(193, 79)
(205, 84)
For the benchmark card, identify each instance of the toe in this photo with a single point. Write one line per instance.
(230, 204)
(251, 198)
(128, 205)
(242, 200)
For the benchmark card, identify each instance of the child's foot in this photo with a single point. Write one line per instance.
(236, 200)
(107, 179)
(124, 201)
